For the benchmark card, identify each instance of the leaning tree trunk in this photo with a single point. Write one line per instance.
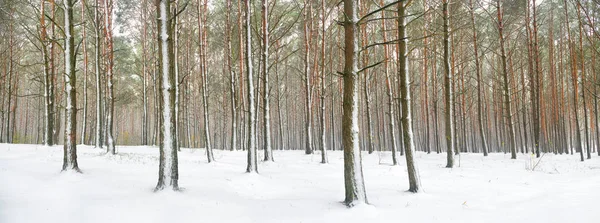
(353, 175)
(70, 135)
(390, 94)
(252, 166)
(168, 173)
(409, 146)
(506, 89)
(447, 88)
(574, 80)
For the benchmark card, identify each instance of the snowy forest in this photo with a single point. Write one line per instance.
(286, 110)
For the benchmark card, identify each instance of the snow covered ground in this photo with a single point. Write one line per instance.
(296, 188)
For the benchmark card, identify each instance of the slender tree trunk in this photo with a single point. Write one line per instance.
(390, 94)
(307, 74)
(110, 147)
(143, 18)
(479, 83)
(506, 90)
(48, 83)
(85, 74)
(265, 69)
(99, 115)
(447, 90)
(177, 83)
(583, 87)
(323, 88)
(252, 166)
(409, 146)
(232, 77)
(574, 79)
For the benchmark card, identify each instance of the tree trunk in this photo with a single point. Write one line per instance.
(506, 90)
(99, 115)
(85, 74)
(168, 173)
(110, 147)
(252, 166)
(70, 135)
(48, 83)
(479, 83)
(307, 72)
(409, 146)
(232, 77)
(447, 88)
(265, 69)
(353, 175)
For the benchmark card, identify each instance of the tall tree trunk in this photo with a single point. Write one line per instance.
(48, 82)
(447, 88)
(99, 115)
(252, 166)
(232, 77)
(177, 83)
(85, 74)
(409, 146)
(202, 13)
(390, 94)
(307, 74)
(143, 18)
(353, 175)
(70, 135)
(506, 89)
(168, 173)
(265, 69)
(323, 88)
(479, 83)
(583, 87)
(574, 79)
(110, 100)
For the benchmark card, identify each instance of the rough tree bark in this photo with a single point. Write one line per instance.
(232, 77)
(265, 69)
(409, 145)
(110, 98)
(353, 175)
(70, 135)
(506, 89)
(307, 72)
(202, 10)
(168, 174)
(447, 88)
(252, 166)
(48, 82)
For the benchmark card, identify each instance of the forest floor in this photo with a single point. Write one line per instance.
(295, 188)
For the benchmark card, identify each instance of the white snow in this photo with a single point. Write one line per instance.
(296, 188)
